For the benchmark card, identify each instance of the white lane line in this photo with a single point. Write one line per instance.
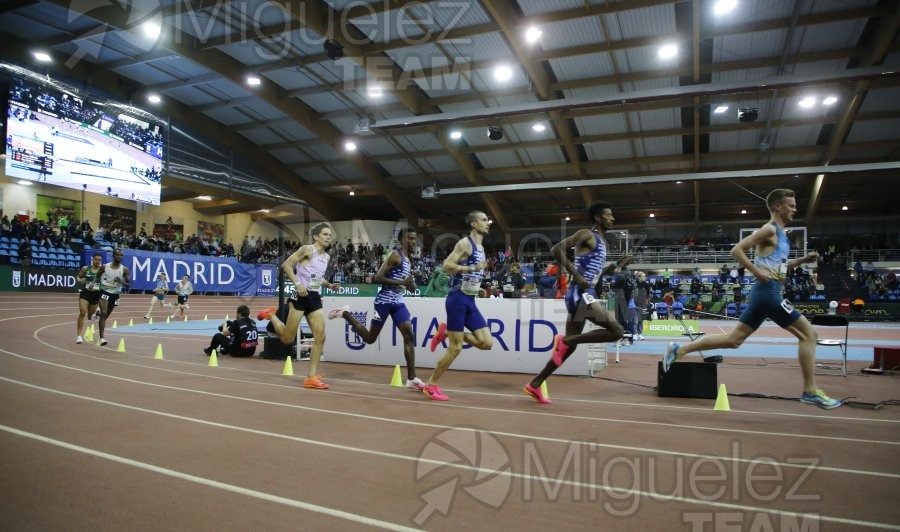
(315, 508)
(525, 437)
(479, 470)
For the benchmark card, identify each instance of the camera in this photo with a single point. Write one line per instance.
(227, 324)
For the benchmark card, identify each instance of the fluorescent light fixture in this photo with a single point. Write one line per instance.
(456, 134)
(27, 183)
(720, 109)
(254, 81)
(154, 98)
(807, 102)
(679, 182)
(350, 145)
(532, 34)
(265, 211)
(503, 73)
(668, 51)
(43, 57)
(831, 100)
(151, 29)
(352, 193)
(724, 6)
(538, 128)
(204, 198)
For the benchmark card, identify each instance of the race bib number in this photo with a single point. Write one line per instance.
(104, 297)
(315, 282)
(782, 270)
(588, 299)
(471, 284)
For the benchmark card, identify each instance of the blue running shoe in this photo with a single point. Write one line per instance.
(670, 357)
(819, 399)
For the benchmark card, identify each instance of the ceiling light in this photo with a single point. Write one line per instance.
(151, 30)
(721, 109)
(652, 215)
(28, 184)
(456, 134)
(376, 92)
(503, 73)
(568, 219)
(724, 6)
(350, 145)
(532, 34)
(352, 193)
(204, 198)
(831, 100)
(43, 57)
(743, 211)
(679, 182)
(254, 81)
(809, 101)
(844, 208)
(266, 211)
(538, 128)
(568, 188)
(153, 98)
(668, 51)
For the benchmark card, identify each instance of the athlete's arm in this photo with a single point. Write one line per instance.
(739, 251)
(582, 237)
(295, 258)
(125, 281)
(393, 260)
(80, 278)
(461, 251)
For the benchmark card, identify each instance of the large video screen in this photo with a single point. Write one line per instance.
(54, 136)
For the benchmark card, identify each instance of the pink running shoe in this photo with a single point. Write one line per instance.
(438, 337)
(536, 394)
(434, 391)
(559, 350)
(338, 312)
(265, 314)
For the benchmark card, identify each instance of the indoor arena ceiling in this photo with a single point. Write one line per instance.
(669, 107)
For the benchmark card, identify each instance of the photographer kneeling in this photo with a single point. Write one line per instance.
(237, 337)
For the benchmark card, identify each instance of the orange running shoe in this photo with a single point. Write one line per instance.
(314, 383)
(266, 314)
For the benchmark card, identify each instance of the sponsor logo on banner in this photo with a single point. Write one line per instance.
(353, 340)
(267, 277)
(16, 278)
(670, 327)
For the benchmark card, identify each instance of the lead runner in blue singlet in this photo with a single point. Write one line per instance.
(394, 277)
(770, 269)
(590, 255)
(465, 265)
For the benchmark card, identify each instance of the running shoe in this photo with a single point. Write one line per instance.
(536, 394)
(146, 317)
(95, 315)
(819, 399)
(103, 341)
(266, 314)
(434, 391)
(415, 384)
(78, 340)
(338, 312)
(438, 337)
(207, 351)
(314, 383)
(670, 357)
(560, 349)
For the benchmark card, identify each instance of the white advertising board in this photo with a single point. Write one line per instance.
(522, 330)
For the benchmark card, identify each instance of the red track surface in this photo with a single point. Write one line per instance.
(94, 439)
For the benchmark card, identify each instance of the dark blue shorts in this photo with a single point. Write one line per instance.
(766, 301)
(573, 298)
(397, 311)
(462, 313)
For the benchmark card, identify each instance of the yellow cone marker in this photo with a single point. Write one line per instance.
(185, 317)
(544, 390)
(722, 400)
(168, 319)
(150, 321)
(205, 317)
(396, 380)
(288, 367)
(121, 348)
(158, 355)
(131, 322)
(213, 360)
(89, 334)
(115, 324)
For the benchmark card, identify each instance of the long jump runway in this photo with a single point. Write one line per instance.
(95, 439)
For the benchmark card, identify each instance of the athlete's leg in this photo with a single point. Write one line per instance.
(368, 335)
(806, 352)
(732, 340)
(316, 321)
(409, 348)
(454, 348)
